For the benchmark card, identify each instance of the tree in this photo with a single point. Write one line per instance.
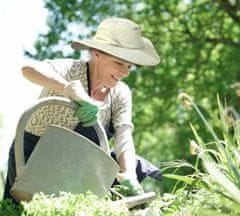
(199, 45)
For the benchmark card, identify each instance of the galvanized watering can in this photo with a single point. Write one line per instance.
(62, 160)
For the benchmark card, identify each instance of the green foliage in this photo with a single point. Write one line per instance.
(8, 208)
(220, 160)
(1, 172)
(199, 45)
(1, 184)
(188, 203)
(65, 205)
(126, 188)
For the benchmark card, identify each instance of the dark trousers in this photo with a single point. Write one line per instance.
(143, 169)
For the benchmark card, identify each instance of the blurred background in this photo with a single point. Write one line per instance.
(21, 22)
(199, 45)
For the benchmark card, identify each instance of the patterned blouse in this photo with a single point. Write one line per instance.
(116, 107)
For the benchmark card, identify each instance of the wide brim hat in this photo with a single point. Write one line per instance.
(121, 38)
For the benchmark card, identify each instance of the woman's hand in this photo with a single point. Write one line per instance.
(129, 185)
(88, 109)
(87, 113)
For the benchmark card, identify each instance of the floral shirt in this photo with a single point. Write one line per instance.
(117, 106)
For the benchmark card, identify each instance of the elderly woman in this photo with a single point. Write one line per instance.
(97, 87)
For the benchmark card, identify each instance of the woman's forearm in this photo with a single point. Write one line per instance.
(127, 162)
(44, 75)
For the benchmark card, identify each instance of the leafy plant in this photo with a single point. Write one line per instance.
(8, 208)
(221, 162)
(66, 204)
(1, 184)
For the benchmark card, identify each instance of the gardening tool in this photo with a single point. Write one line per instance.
(62, 160)
(133, 201)
(138, 199)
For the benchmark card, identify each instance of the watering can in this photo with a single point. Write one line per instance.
(62, 160)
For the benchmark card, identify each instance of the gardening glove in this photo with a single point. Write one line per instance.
(129, 185)
(88, 109)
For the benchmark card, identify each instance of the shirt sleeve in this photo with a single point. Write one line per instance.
(122, 106)
(70, 70)
(63, 67)
(123, 140)
(122, 119)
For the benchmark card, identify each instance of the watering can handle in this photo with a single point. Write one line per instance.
(19, 141)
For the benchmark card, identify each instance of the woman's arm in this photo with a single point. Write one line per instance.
(125, 149)
(127, 163)
(124, 145)
(44, 74)
(52, 74)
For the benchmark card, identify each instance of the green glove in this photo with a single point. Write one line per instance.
(129, 188)
(87, 110)
(87, 113)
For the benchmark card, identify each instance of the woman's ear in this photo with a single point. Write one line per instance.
(95, 52)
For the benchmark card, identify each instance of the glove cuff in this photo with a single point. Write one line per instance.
(75, 91)
(127, 175)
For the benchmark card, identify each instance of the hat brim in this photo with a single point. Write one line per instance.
(145, 56)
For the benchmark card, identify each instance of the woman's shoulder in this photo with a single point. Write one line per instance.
(122, 87)
(121, 90)
(66, 63)
(70, 69)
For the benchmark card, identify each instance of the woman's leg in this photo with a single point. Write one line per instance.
(144, 168)
(29, 143)
(11, 174)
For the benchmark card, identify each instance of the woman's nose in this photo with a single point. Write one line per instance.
(124, 71)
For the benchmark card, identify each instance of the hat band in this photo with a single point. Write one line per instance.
(109, 39)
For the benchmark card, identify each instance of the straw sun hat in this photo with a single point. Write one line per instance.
(121, 38)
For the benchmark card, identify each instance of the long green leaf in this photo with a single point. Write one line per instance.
(218, 177)
(185, 179)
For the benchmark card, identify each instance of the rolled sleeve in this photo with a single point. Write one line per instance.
(122, 120)
(60, 66)
(123, 140)
(122, 107)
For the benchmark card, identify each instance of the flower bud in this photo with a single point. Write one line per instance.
(230, 116)
(194, 147)
(236, 86)
(185, 99)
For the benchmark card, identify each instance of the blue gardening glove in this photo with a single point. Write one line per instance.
(128, 185)
(88, 109)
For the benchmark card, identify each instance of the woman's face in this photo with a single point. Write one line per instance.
(111, 69)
